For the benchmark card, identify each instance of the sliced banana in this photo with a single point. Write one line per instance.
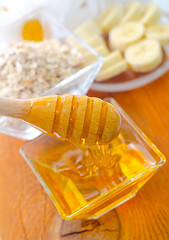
(125, 34)
(112, 59)
(87, 29)
(89, 57)
(101, 49)
(158, 32)
(95, 40)
(112, 71)
(134, 11)
(110, 17)
(97, 43)
(144, 56)
(151, 15)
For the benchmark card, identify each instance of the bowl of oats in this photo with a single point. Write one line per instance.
(44, 59)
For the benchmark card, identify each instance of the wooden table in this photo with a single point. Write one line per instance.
(27, 213)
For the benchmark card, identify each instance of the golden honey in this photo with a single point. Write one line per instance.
(77, 177)
(32, 31)
(87, 180)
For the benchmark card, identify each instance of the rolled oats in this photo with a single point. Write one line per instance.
(28, 69)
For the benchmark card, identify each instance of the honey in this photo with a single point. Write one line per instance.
(32, 31)
(86, 181)
(78, 176)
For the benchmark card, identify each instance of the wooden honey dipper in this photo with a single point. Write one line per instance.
(79, 119)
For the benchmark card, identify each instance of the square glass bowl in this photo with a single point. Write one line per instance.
(81, 11)
(78, 83)
(63, 171)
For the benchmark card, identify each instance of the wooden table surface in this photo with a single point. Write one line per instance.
(27, 213)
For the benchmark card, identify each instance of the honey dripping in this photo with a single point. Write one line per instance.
(76, 172)
(77, 177)
(81, 120)
(78, 119)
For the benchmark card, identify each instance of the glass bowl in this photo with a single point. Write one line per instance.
(86, 10)
(78, 194)
(78, 83)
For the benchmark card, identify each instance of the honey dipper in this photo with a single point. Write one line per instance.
(79, 119)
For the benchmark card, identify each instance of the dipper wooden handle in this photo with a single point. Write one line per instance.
(79, 119)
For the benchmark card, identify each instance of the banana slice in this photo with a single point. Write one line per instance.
(100, 49)
(103, 50)
(151, 15)
(144, 56)
(110, 17)
(111, 59)
(133, 12)
(87, 29)
(97, 43)
(89, 57)
(158, 32)
(96, 40)
(112, 71)
(125, 34)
